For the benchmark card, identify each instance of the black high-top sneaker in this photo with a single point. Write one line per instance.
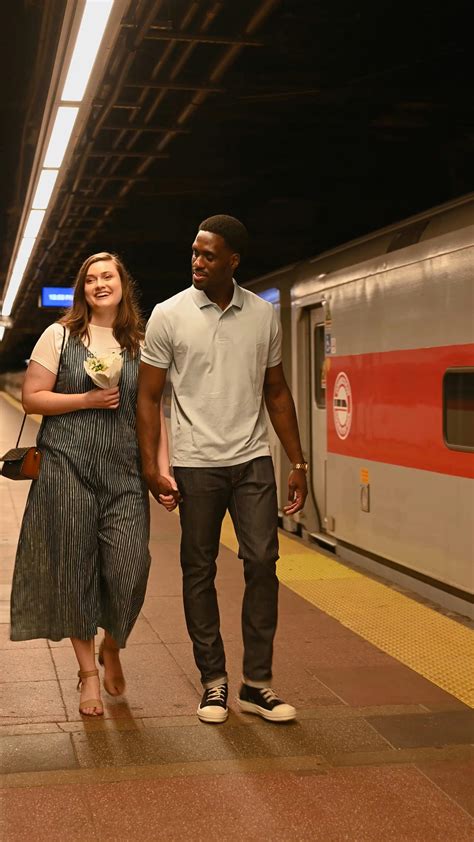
(265, 702)
(213, 707)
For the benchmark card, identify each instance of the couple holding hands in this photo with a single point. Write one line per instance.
(83, 560)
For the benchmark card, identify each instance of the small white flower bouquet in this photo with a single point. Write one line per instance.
(104, 371)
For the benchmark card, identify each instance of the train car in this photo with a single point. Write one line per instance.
(379, 339)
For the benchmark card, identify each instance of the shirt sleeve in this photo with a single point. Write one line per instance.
(47, 350)
(274, 353)
(158, 347)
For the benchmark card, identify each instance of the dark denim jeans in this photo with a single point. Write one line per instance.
(248, 492)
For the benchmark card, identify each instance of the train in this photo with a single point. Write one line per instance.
(378, 349)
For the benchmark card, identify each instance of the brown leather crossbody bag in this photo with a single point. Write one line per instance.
(25, 462)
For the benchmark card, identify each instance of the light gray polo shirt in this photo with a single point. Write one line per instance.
(217, 362)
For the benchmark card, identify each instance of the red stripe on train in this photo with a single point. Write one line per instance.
(389, 408)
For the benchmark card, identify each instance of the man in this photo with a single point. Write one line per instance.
(222, 346)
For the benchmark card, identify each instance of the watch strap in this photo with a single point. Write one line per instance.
(300, 466)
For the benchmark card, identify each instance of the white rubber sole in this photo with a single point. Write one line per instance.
(282, 713)
(212, 714)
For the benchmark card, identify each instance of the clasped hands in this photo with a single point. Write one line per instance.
(164, 490)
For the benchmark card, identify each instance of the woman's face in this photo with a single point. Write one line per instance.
(103, 287)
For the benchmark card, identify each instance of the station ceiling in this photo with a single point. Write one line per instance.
(314, 122)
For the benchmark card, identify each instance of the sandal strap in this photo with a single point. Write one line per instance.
(87, 673)
(91, 703)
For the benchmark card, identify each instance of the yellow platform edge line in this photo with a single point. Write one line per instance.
(433, 645)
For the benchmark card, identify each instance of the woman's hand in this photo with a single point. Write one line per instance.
(102, 398)
(170, 501)
(39, 395)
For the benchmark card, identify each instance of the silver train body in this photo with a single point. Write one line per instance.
(378, 347)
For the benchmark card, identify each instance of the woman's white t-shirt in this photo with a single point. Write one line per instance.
(48, 347)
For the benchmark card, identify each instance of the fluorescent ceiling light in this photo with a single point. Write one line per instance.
(2, 331)
(91, 30)
(23, 256)
(21, 262)
(34, 223)
(62, 130)
(45, 187)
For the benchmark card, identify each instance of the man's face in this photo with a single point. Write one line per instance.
(213, 262)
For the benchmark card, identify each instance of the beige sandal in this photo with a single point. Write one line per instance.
(115, 685)
(96, 704)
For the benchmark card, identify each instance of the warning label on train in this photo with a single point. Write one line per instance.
(342, 405)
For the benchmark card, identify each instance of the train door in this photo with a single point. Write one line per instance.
(318, 424)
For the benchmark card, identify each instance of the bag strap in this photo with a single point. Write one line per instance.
(21, 430)
(54, 389)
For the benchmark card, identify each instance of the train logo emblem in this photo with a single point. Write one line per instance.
(342, 405)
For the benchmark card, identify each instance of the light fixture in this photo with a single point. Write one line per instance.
(21, 262)
(2, 331)
(93, 23)
(44, 189)
(33, 225)
(60, 136)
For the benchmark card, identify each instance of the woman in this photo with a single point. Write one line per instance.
(82, 558)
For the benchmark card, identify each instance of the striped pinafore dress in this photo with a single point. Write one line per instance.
(82, 558)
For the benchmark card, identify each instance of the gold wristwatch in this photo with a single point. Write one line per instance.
(300, 466)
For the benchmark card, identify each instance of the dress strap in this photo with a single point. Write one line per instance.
(53, 390)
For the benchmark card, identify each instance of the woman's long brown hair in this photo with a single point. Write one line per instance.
(128, 325)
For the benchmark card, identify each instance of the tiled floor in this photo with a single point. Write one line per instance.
(377, 753)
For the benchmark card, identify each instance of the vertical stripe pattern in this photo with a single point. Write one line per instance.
(82, 558)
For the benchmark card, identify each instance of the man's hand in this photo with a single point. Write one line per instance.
(170, 501)
(162, 490)
(297, 491)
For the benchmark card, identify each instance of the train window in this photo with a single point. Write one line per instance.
(319, 367)
(408, 235)
(458, 408)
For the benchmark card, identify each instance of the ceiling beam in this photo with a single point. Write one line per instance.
(97, 202)
(197, 38)
(109, 153)
(144, 127)
(174, 86)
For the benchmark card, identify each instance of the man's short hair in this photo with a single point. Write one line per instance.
(230, 229)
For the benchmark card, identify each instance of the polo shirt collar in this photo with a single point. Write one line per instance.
(200, 298)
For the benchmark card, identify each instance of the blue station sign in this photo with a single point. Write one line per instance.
(56, 296)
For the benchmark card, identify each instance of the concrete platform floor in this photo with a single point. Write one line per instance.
(378, 752)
